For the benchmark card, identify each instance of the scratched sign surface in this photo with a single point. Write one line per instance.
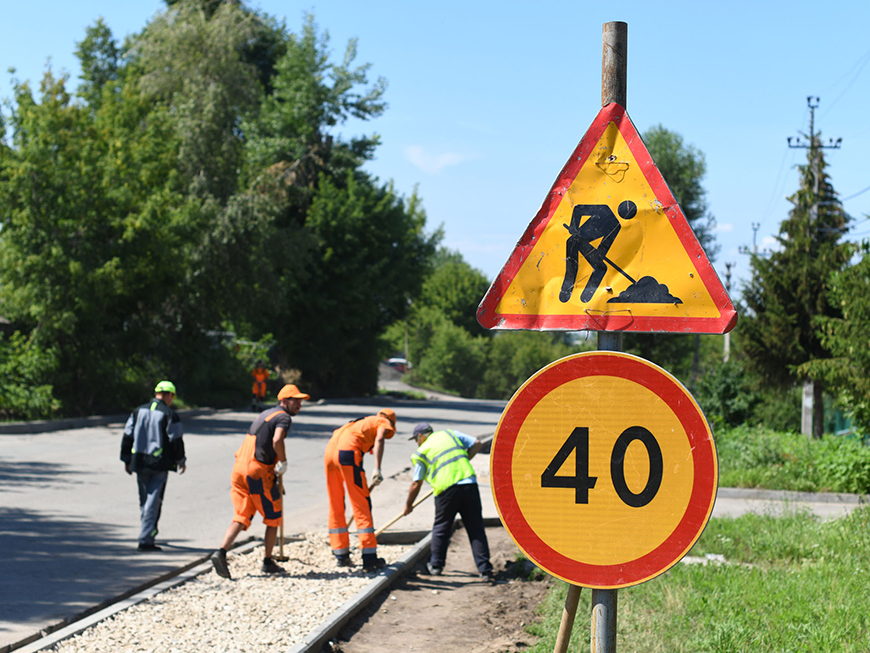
(609, 250)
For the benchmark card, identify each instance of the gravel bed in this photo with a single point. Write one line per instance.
(249, 613)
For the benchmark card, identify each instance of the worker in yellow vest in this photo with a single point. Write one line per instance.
(442, 460)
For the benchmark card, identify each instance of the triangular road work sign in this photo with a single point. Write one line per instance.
(609, 250)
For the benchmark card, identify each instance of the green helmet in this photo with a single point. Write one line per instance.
(165, 386)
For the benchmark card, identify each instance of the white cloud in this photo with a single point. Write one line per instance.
(724, 227)
(433, 164)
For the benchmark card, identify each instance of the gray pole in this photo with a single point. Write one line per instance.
(614, 63)
(614, 75)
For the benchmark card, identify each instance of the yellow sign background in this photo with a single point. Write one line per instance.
(605, 531)
(646, 245)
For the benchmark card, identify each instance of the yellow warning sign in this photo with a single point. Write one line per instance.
(610, 249)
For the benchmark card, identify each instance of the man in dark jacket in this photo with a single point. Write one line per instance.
(152, 446)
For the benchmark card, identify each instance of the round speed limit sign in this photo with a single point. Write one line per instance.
(604, 469)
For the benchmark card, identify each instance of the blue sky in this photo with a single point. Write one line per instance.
(487, 100)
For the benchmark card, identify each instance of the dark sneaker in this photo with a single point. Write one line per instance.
(371, 564)
(219, 561)
(269, 567)
(486, 574)
(433, 571)
(149, 547)
(343, 561)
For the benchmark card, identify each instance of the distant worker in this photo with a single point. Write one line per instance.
(254, 481)
(258, 390)
(442, 460)
(152, 446)
(343, 461)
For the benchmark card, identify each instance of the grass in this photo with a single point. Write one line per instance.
(791, 584)
(402, 394)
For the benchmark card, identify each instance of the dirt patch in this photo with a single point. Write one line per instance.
(457, 611)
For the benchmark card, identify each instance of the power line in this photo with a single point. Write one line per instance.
(860, 192)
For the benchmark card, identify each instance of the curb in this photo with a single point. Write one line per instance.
(126, 600)
(788, 495)
(317, 638)
(48, 426)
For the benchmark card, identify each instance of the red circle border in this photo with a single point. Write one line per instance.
(677, 398)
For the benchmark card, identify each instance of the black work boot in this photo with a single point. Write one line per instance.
(270, 567)
(219, 561)
(372, 562)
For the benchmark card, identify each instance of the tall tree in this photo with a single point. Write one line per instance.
(455, 288)
(193, 62)
(90, 235)
(369, 260)
(99, 57)
(847, 371)
(683, 167)
(788, 292)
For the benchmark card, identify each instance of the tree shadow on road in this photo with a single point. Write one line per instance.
(54, 568)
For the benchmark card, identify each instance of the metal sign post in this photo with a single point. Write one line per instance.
(606, 442)
(614, 84)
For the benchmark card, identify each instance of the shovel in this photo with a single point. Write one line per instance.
(281, 557)
(402, 514)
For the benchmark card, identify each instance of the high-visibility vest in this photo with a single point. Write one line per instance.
(445, 460)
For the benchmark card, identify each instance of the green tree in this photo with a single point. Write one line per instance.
(847, 371)
(24, 368)
(99, 57)
(455, 288)
(514, 356)
(454, 360)
(683, 167)
(368, 260)
(198, 189)
(193, 62)
(788, 293)
(89, 236)
(291, 140)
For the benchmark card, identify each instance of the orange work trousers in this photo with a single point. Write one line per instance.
(254, 487)
(344, 470)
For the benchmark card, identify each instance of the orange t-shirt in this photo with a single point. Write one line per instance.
(260, 374)
(360, 435)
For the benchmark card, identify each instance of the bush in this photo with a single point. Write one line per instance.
(760, 457)
(24, 369)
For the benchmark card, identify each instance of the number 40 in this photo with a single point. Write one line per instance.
(578, 442)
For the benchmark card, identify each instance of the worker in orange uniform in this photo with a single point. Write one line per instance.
(344, 468)
(254, 482)
(258, 390)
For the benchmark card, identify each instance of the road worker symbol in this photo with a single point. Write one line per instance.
(609, 250)
(602, 225)
(604, 470)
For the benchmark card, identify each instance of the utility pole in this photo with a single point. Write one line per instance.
(812, 409)
(743, 249)
(726, 353)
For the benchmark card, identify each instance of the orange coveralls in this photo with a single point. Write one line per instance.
(260, 375)
(253, 487)
(344, 468)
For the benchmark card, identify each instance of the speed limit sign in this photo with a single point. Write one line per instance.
(604, 469)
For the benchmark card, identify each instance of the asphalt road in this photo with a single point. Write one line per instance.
(69, 514)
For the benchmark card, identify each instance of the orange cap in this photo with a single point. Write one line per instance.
(290, 391)
(389, 414)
